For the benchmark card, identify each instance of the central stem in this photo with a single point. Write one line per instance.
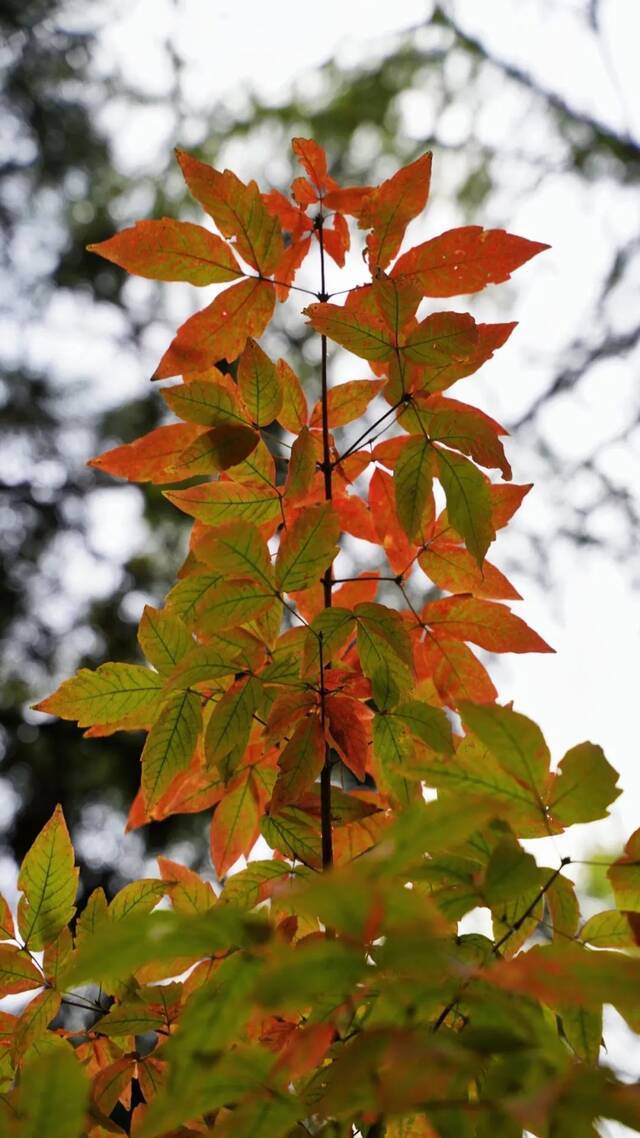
(327, 580)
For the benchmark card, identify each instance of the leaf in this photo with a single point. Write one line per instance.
(218, 449)
(219, 331)
(464, 260)
(346, 402)
(236, 824)
(460, 427)
(516, 741)
(583, 1031)
(562, 903)
(130, 1019)
(259, 384)
(230, 721)
(584, 787)
(383, 641)
(216, 503)
(170, 744)
(348, 732)
(151, 458)
(164, 639)
(336, 626)
(413, 480)
(570, 975)
(365, 336)
(135, 898)
(53, 1096)
(190, 893)
(624, 875)
(49, 882)
(252, 885)
(169, 250)
(208, 665)
(488, 625)
(112, 694)
(295, 835)
(311, 155)
(468, 501)
(237, 209)
(300, 763)
(293, 413)
(302, 466)
(452, 568)
(428, 378)
(7, 928)
(210, 400)
(233, 603)
(429, 724)
(389, 209)
(393, 538)
(17, 971)
(307, 548)
(236, 550)
(455, 671)
(612, 929)
(510, 873)
(442, 338)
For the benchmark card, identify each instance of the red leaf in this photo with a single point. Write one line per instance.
(395, 542)
(348, 730)
(300, 763)
(488, 625)
(312, 156)
(362, 590)
(336, 240)
(169, 250)
(355, 518)
(221, 330)
(465, 260)
(349, 200)
(452, 568)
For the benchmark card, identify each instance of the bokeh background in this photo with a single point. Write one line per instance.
(533, 113)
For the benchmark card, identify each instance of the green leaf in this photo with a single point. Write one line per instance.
(217, 449)
(137, 897)
(468, 501)
(562, 903)
(236, 550)
(216, 503)
(130, 1019)
(49, 882)
(211, 402)
(393, 751)
(516, 742)
(307, 548)
(234, 603)
(250, 886)
(53, 1096)
(231, 720)
(300, 762)
(583, 1031)
(510, 873)
(383, 642)
(430, 724)
(119, 948)
(413, 480)
(624, 875)
(259, 384)
(612, 929)
(364, 335)
(170, 744)
(335, 625)
(114, 693)
(207, 664)
(294, 834)
(584, 786)
(164, 639)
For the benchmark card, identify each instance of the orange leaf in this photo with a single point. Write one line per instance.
(312, 156)
(151, 458)
(236, 823)
(349, 200)
(299, 763)
(355, 518)
(169, 250)
(221, 330)
(336, 239)
(362, 590)
(396, 544)
(488, 625)
(237, 209)
(452, 568)
(363, 334)
(455, 671)
(348, 731)
(390, 208)
(465, 260)
(346, 402)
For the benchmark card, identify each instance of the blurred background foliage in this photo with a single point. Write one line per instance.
(80, 557)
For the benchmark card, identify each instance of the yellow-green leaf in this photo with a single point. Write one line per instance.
(53, 1096)
(114, 693)
(468, 501)
(49, 881)
(413, 480)
(584, 787)
(307, 548)
(164, 638)
(170, 743)
(259, 384)
(215, 503)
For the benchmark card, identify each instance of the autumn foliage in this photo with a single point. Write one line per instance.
(325, 988)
